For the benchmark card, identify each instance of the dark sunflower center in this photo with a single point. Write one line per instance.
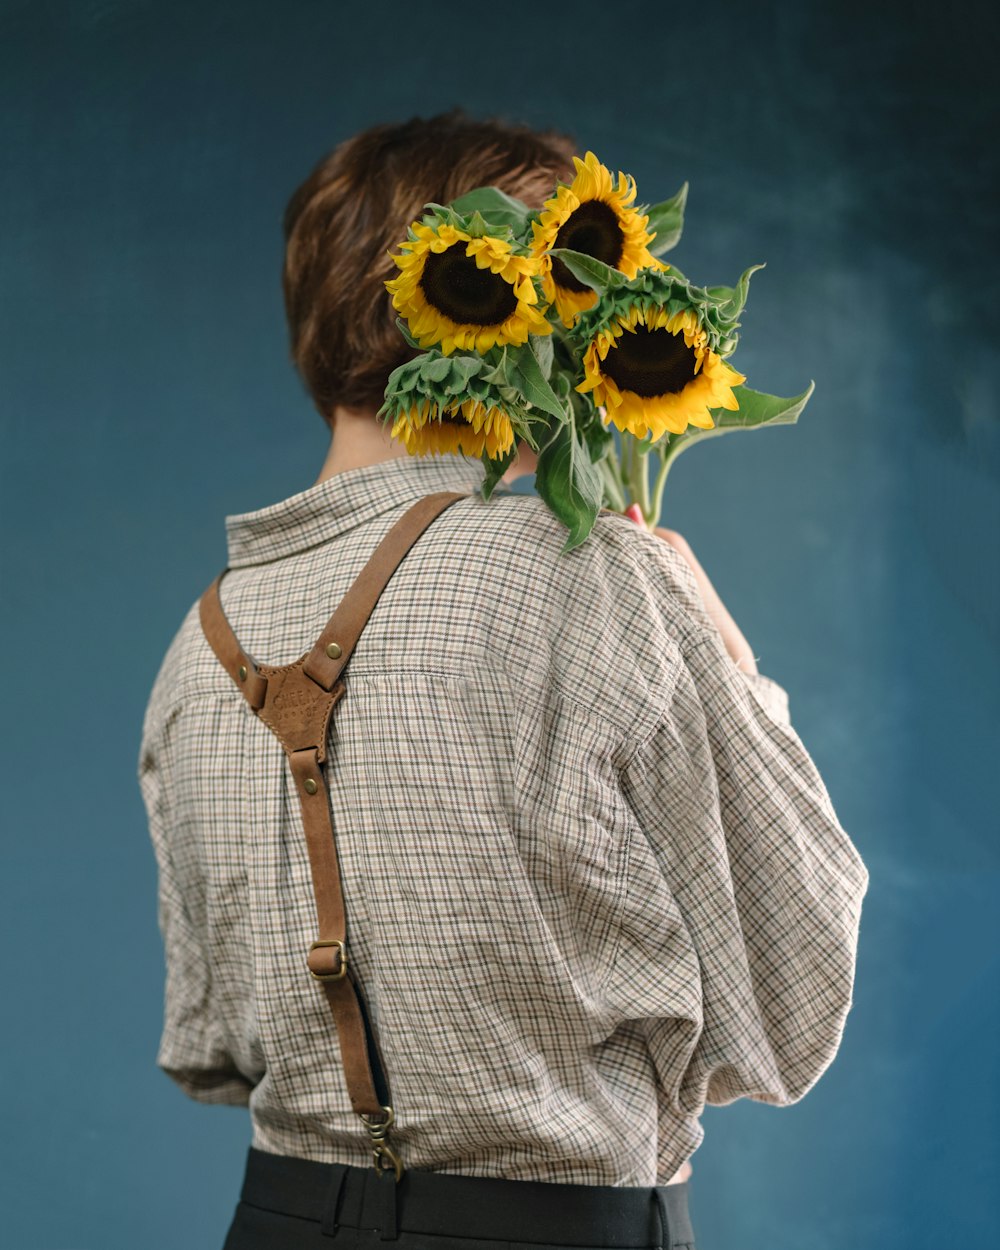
(593, 229)
(455, 285)
(650, 362)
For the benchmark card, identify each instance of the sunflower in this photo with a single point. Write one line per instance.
(468, 427)
(595, 217)
(435, 404)
(458, 291)
(653, 369)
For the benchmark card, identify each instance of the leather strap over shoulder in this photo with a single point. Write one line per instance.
(227, 648)
(326, 661)
(296, 702)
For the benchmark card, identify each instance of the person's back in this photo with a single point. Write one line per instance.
(511, 868)
(592, 877)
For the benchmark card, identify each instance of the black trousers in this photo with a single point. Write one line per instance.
(288, 1203)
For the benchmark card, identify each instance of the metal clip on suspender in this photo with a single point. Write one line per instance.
(295, 701)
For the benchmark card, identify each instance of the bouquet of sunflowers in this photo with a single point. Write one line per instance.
(550, 326)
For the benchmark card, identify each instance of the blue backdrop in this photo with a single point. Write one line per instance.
(146, 393)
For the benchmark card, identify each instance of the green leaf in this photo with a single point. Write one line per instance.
(498, 208)
(562, 385)
(477, 226)
(524, 372)
(496, 373)
(570, 483)
(436, 370)
(598, 437)
(727, 345)
(405, 375)
(532, 426)
(402, 327)
(732, 299)
(542, 349)
(463, 370)
(756, 410)
(435, 214)
(496, 468)
(666, 221)
(588, 269)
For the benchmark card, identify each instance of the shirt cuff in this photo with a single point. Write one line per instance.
(771, 697)
(211, 1087)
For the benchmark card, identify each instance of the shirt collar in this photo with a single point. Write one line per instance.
(346, 499)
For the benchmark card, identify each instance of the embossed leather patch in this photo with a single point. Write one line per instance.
(296, 709)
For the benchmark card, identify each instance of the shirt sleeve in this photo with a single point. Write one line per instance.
(192, 1050)
(740, 929)
(771, 697)
(761, 878)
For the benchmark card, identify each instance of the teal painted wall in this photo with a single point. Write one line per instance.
(145, 394)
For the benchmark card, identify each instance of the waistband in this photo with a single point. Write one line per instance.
(487, 1207)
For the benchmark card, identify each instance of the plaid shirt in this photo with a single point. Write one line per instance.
(593, 878)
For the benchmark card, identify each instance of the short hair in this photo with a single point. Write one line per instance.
(354, 208)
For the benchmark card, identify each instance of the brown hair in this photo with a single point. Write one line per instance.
(354, 208)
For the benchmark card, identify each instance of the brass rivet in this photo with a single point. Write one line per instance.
(309, 785)
(333, 650)
(243, 672)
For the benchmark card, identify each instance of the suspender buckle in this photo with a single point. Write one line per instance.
(383, 1154)
(383, 1151)
(329, 976)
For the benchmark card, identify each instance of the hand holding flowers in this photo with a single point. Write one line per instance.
(736, 644)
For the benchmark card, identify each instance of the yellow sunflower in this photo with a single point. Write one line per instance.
(469, 428)
(456, 291)
(652, 370)
(594, 216)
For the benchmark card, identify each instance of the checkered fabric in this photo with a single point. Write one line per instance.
(593, 878)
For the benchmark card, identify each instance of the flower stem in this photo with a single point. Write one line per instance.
(637, 477)
(611, 471)
(661, 481)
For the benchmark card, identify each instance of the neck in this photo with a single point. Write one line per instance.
(358, 439)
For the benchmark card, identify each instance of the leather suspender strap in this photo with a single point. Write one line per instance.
(296, 702)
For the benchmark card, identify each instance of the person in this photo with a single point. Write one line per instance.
(593, 879)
